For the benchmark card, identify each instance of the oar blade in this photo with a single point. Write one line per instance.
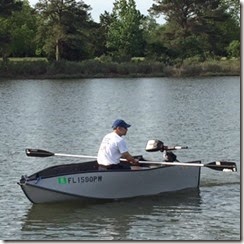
(222, 166)
(38, 153)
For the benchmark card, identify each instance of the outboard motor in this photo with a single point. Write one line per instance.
(157, 145)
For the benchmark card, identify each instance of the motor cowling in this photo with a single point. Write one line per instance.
(154, 146)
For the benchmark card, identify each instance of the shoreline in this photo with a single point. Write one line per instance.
(63, 76)
(94, 69)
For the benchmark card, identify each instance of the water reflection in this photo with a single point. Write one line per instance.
(109, 220)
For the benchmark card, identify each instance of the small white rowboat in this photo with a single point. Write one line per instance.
(88, 181)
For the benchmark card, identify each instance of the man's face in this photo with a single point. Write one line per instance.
(122, 131)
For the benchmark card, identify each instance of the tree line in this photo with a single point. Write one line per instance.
(65, 30)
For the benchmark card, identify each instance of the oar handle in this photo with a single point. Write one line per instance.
(175, 148)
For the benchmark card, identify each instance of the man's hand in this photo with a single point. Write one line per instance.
(135, 162)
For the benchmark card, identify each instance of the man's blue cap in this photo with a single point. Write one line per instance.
(120, 123)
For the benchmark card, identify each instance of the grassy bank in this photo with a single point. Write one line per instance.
(35, 68)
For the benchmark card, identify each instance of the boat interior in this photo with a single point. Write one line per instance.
(74, 168)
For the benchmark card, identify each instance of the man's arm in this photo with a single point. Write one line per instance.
(129, 158)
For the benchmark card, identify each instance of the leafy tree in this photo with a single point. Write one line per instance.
(195, 27)
(233, 7)
(7, 9)
(154, 48)
(106, 20)
(125, 33)
(23, 31)
(234, 49)
(63, 28)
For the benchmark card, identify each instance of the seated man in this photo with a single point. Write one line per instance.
(113, 147)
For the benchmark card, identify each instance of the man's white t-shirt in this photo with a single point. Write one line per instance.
(111, 149)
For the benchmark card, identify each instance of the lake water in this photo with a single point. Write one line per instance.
(72, 116)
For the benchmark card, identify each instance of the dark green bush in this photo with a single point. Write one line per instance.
(100, 68)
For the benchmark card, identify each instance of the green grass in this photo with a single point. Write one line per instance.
(29, 59)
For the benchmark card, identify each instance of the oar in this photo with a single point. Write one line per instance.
(43, 153)
(217, 165)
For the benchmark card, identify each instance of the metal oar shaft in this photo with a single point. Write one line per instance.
(173, 163)
(221, 166)
(74, 156)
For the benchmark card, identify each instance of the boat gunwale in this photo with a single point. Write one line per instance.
(36, 176)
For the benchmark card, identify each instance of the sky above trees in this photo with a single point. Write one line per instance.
(98, 7)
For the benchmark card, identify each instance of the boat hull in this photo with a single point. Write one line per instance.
(110, 184)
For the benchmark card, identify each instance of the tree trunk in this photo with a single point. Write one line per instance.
(57, 50)
(5, 60)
